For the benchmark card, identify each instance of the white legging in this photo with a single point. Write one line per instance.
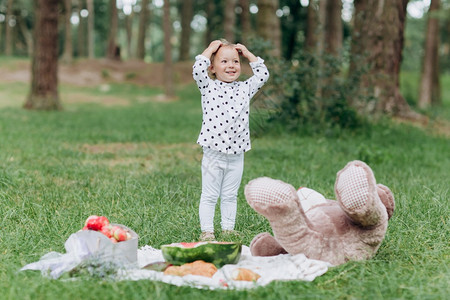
(221, 177)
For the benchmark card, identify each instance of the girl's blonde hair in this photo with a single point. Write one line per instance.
(224, 43)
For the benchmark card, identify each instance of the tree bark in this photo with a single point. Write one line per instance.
(268, 24)
(230, 20)
(168, 66)
(333, 27)
(81, 34)
(143, 23)
(292, 28)
(312, 24)
(429, 85)
(210, 8)
(320, 31)
(44, 82)
(377, 44)
(245, 21)
(8, 32)
(67, 56)
(187, 11)
(91, 29)
(113, 50)
(129, 31)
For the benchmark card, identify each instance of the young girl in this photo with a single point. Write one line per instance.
(225, 133)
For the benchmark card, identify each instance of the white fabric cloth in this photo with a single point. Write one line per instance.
(221, 177)
(281, 267)
(226, 107)
(86, 245)
(83, 246)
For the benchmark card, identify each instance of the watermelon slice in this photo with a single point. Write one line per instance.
(217, 253)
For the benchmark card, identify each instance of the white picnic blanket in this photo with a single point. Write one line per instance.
(280, 267)
(86, 245)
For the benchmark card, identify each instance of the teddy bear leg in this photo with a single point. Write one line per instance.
(387, 198)
(356, 192)
(272, 198)
(265, 244)
(279, 203)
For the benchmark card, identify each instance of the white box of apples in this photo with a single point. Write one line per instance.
(111, 241)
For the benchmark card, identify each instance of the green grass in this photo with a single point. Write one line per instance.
(137, 163)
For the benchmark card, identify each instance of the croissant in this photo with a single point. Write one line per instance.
(244, 275)
(198, 267)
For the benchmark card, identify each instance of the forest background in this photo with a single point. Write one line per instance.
(99, 115)
(344, 56)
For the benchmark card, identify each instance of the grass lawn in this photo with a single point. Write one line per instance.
(118, 151)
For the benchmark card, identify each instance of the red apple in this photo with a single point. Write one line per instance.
(96, 222)
(112, 239)
(90, 219)
(119, 233)
(106, 230)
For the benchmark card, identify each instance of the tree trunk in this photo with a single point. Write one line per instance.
(81, 34)
(27, 35)
(230, 20)
(333, 27)
(245, 21)
(113, 50)
(312, 26)
(8, 32)
(168, 68)
(143, 22)
(91, 29)
(44, 82)
(429, 85)
(67, 56)
(268, 24)
(291, 29)
(187, 11)
(320, 31)
(129, 31)
(376, 54)
(210, 8)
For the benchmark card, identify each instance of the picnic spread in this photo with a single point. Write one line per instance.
(207, 265)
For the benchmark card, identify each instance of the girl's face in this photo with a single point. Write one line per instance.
(226, 64)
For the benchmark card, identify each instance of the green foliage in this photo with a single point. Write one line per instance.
(105, 73)
(409, 86)
(309, 92)
(130, 75)
(413, 51)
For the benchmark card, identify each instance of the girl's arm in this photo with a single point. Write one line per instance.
(201, 65)
(260, 71)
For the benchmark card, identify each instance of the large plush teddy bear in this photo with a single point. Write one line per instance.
(351, 228)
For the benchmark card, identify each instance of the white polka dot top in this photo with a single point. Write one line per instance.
(226, 107)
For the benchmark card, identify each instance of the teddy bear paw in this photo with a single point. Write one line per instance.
(354, 185)
(265, 193)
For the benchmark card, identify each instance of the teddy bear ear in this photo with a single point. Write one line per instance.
(387, 198)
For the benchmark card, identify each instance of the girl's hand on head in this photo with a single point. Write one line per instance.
(245, 52)
(241, 49)
(212, 48)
